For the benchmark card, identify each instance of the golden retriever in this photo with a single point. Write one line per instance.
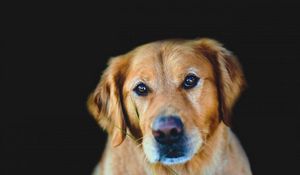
(166, 107)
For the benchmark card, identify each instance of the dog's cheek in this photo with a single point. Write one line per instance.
(150, 150)
(132, 111)
(208, 105)
(133, 117)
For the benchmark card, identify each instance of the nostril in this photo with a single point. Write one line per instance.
(167, 130)
(158, 134)
(174, 132)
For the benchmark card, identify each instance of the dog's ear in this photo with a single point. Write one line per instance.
(105, 103)
(228, 73)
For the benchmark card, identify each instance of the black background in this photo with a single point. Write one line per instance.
(55, 53)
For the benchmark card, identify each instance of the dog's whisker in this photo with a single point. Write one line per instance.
(124, 131)
(141, 138)
(150, 167)
(172, 170)
(209, 150)
(135, 108)
(139, 145)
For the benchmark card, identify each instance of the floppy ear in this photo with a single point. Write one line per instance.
(228, 73)
(105, 103)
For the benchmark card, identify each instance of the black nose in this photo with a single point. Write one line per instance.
(167, 129)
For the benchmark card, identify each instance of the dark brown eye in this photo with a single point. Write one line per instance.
(190, 81)
(141, 89)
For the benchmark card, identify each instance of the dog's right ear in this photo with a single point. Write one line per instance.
(105, 103)
(230, 78)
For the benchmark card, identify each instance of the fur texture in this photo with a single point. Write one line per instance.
(204, 110)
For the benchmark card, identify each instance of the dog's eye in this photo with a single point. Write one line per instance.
(141, 89)
(190, 81)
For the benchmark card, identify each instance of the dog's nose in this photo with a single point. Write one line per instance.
(167, 129)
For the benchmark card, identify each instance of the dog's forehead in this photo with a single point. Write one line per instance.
(169, 58)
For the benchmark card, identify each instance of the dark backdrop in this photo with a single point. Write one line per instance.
(55, 53)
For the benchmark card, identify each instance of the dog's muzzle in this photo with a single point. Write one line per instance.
(168, 132)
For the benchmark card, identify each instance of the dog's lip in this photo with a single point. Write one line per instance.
(174, 154)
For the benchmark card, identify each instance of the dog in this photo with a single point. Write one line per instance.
(166, 106)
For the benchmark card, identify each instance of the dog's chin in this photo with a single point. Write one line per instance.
(175, 160)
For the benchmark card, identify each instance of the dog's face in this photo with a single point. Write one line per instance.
(169, 95)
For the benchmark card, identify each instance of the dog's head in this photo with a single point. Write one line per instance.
(169, 95)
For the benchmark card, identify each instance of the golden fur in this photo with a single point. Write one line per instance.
(204, 110)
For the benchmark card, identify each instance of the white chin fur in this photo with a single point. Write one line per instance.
(174, 161)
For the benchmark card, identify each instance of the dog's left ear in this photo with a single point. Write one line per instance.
(228, 74)
(106, 103)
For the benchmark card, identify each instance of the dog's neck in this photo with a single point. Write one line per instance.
(209, 160)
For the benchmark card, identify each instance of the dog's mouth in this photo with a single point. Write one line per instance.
(173, 154)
